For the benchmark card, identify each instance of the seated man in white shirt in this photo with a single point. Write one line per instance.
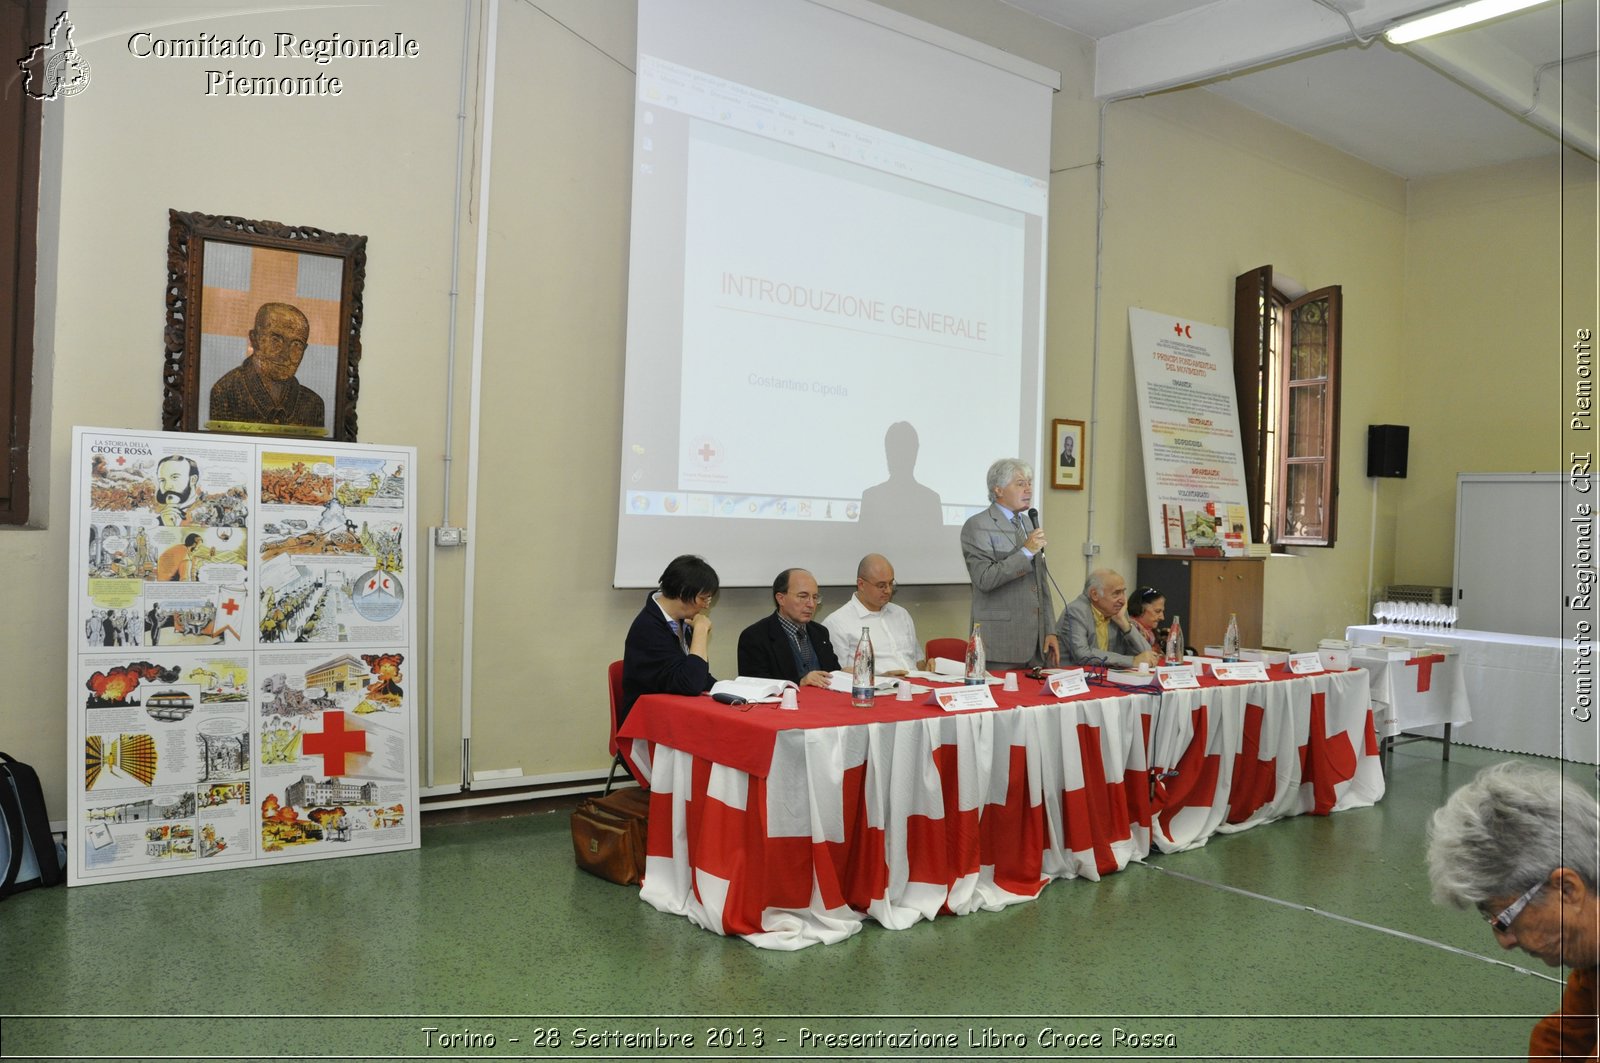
(894, 635)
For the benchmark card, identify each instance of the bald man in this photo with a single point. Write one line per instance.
(789, 644)
(894, 634)
(1095, 629)
(264, 390)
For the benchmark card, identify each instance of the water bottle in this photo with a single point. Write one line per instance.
(862, 679)
(1230, 641)
(1175, 642)
(977, 664)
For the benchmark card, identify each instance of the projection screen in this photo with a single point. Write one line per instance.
(835, 294)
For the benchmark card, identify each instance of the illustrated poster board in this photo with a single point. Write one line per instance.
(1189, 424)
(241, 634)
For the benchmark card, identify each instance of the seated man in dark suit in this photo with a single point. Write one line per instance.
(787, 644)
(668, 650)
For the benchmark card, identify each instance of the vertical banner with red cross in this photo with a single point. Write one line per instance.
(1189, 423)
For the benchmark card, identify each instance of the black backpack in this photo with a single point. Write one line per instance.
(28, 855)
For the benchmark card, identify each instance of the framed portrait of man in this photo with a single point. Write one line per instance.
(1067, 457)
(263, 328)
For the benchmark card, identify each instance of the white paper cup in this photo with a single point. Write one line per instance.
(902, 690)
(1144, 667)
(1011, 682)
(789, 701)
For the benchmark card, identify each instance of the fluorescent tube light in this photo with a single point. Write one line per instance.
(1453, 18)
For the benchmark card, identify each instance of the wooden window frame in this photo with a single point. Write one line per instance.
(1263, 316)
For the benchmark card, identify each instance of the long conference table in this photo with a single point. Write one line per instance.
(790, 828)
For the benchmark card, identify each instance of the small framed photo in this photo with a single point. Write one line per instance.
(1068, 454)
(263, 328)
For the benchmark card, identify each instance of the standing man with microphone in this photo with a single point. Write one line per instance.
(1004, 550)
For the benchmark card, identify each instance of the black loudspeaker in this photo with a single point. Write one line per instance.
(1387, 445)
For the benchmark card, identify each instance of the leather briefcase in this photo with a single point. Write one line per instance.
(608, 835)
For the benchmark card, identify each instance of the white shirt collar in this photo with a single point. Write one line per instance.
(670, 619)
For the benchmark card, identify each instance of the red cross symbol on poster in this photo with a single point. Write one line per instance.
(333, 742)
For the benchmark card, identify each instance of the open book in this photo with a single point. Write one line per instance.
(751, 688)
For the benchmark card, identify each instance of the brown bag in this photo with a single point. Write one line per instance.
(608, 835)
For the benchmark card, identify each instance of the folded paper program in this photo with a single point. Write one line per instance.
(842, 683)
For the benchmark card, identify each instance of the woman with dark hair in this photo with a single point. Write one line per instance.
(668, 650)
(1147, 607)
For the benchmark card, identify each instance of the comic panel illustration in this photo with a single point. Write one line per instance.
(143, 482)
(164, 524)
(334, 751)
(166, 760)
(332, 552)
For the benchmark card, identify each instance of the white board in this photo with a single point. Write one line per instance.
(1509, 573)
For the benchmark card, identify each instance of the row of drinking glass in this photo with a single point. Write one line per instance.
(1428, 614)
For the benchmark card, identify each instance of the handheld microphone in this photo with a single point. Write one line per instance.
(1033, 519)
(728, 699)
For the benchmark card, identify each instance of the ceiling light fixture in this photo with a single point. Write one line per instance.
(1453, 18)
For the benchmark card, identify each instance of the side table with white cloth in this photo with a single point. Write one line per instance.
(1521, 689)
(1414, 692)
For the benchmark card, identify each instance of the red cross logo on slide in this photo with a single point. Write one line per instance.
(333, 742)
(1424, 667)
(707, 452)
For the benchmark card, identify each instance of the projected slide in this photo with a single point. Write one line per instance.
(821, 296)
(833, 329)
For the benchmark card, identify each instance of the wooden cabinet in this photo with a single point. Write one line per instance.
(1202, 591)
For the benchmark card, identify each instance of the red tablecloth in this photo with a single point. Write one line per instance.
(791, 827)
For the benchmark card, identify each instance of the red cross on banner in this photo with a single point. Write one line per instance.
(333, 742)
(1424, 667)
(230, 607)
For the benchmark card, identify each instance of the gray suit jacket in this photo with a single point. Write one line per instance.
(1010, 592)
(1077, 638)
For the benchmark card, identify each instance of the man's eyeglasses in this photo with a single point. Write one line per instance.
(704, 598)
(1503, 921)
(882, 585)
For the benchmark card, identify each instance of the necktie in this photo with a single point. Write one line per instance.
(677, 629)
(808, 656)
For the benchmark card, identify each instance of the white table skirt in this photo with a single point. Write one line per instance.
(1521, 689)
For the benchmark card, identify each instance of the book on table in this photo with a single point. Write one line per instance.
(752, 688)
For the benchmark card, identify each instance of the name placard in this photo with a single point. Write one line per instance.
(1305, 663)
(960, 699)
(1177, 677)
(1067, 683)
(1241, 671)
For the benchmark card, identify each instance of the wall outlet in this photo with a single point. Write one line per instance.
(449, 536)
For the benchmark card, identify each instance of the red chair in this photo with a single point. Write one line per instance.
(952, 649)
(614, 682)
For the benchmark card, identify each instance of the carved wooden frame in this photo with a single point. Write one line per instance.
(186, 239)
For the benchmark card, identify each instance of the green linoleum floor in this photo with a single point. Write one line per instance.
(488, 928)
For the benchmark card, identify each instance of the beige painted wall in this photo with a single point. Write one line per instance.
(1199, 191)
(1486, 342)
(144, 137)
(380, 161)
